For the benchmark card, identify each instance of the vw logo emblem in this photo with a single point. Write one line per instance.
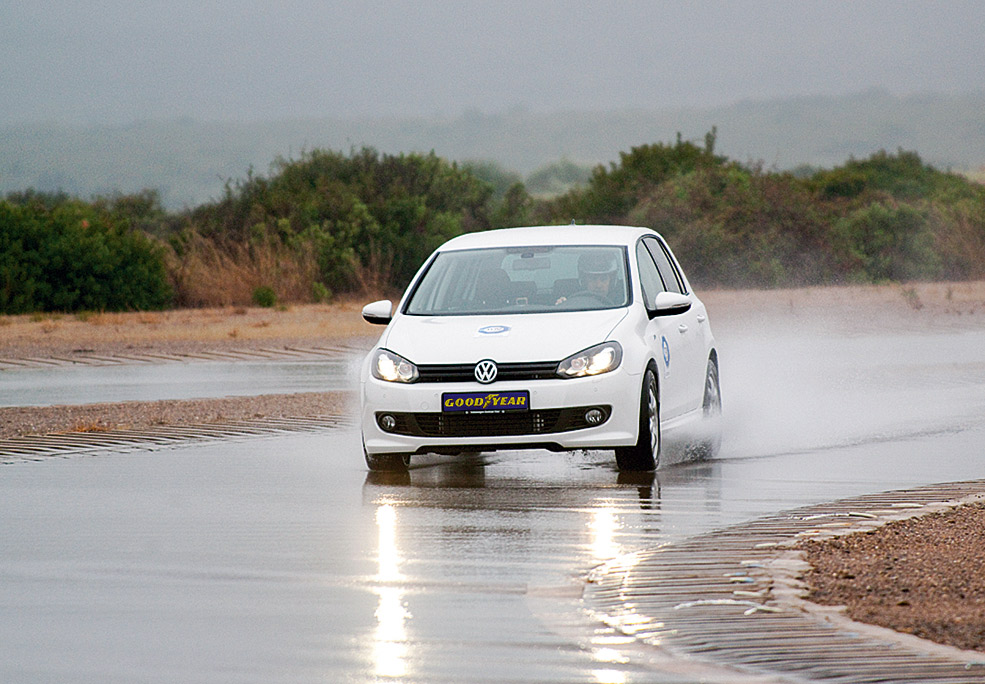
(486, 371)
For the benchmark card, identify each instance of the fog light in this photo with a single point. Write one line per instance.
(594, 416)
(388, 422)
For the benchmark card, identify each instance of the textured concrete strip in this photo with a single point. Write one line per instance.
(38, 361)
(159, 357)
(734, 598)
(74, 361)
(90, 358)
(103, 360)
(63, 444)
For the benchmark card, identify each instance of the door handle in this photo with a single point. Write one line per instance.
(702, 318)
(682, 328)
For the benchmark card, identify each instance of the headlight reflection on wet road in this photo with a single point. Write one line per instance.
(604, 526)
(390, 638)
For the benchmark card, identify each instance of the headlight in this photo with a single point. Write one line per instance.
(601, 358)
(393, 367)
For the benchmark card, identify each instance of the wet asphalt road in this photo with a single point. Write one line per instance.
(282, 560)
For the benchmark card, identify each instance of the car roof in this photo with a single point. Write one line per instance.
(548, 235)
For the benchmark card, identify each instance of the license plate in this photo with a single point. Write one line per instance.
(485, 402)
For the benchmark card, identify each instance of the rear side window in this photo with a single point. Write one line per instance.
(668, 271)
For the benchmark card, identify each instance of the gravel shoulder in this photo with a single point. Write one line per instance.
(140, 415)
(920, 576)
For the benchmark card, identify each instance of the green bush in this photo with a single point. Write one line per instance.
(320, 293)
(889, 242)
(265, 296)
(613, 193)
(371, 218)
(70, 256)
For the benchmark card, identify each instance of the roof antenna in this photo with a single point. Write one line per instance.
(572, 222)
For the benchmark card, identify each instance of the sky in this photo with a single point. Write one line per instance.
(121, 61)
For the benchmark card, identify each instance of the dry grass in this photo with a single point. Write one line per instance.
(212, 275)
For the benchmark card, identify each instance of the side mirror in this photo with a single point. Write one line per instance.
(378, 313)
(670, 304)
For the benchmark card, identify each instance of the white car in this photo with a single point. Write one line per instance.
(552, 337)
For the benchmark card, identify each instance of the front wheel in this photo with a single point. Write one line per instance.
(645, 454)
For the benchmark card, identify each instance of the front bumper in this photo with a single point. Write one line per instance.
(557, 417)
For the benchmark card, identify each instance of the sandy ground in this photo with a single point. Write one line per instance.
(921, 576)
(40, 335)
(244, 328)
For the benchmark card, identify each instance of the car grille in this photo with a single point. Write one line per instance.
(465, 372)
(492, 424)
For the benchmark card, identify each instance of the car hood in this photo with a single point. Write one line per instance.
(506, 339)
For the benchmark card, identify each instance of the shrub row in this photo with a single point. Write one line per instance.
(333, 222)
(888, 218)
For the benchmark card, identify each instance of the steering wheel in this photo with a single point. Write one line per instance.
(586, 295)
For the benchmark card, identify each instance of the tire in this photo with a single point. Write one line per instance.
(712, 413)
(386, 462)
(645, 454)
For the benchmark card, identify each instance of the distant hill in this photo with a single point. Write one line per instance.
(189, 161)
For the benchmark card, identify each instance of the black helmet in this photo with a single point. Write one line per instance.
(597, 262)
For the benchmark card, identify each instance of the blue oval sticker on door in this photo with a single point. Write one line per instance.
(494, 330)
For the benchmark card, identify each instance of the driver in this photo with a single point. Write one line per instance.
(596, 271)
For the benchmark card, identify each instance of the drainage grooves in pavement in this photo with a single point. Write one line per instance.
(83, 358)
(64, 443)
(732, 597)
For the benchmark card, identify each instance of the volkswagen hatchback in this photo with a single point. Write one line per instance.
(556, 338)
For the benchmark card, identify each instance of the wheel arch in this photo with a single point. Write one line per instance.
(651, 364)
(643, 455)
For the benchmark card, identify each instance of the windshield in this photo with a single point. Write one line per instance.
(522, 280)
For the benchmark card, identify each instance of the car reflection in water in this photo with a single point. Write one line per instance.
(473, 531)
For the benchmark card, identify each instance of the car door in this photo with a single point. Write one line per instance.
(664, 339)
(687, 326)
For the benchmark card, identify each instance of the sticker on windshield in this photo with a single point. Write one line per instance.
(495, 330)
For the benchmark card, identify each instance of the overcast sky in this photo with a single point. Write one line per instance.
(117, 61)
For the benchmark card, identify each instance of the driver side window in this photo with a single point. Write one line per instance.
(649, 277)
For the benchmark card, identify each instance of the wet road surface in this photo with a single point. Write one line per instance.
(281, 559)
